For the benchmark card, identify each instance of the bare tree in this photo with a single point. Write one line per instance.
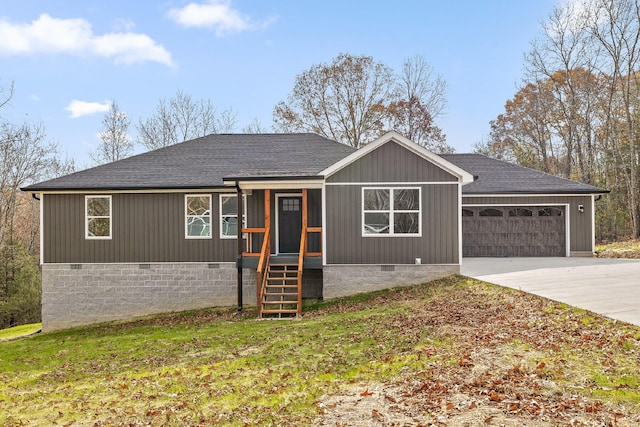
(419, 81)
(355, 99)
(25, 157)
(255, 127)
(115, 142)
(576, 114)
(6, 93)
(345, 100)
(420, 100)
(181, 118)
(566, 56)
(616, 26)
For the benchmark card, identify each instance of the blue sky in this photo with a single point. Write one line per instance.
(245, 54)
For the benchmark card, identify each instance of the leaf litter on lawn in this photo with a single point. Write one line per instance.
(501, 357)
(453, 352)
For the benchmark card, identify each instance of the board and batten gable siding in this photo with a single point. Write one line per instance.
(580, 223)
(147, 227)
(392, 165)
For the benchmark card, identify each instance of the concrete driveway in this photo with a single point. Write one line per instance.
(610, 287)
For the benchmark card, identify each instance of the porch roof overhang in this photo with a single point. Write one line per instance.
(274, 182)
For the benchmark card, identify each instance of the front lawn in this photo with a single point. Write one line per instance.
(452, 352)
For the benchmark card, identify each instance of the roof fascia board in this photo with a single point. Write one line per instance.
(138, 191)
(569, 194)
(275, 185)
(462, 175)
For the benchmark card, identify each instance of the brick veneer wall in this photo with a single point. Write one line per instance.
(82, 294)
(344, 280)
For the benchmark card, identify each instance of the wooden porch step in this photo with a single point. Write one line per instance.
(288, 296)
(295, 294)
(280, 311)
(280, 297)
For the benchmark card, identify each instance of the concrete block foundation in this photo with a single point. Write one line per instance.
(82, 294)
(344, 280)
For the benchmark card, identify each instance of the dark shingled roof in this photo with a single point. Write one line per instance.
(206, 161)
(493, 176)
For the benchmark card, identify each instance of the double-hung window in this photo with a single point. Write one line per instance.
(229, 215)
(198, 216)
(97, 217)
(390, 211)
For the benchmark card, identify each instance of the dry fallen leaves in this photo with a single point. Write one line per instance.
(498, 341)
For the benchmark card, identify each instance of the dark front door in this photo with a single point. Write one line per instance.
(289, 224)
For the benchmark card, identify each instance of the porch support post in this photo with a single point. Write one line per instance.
(304, 217)
(240, 242)
(267, 226)
(267, 211)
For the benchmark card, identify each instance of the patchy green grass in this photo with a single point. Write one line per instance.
(622, 249)
(214, 367)
(20, 331)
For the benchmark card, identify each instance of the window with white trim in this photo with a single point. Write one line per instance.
(229, 215)
(97, 217)
(390, 211)
(198, 216)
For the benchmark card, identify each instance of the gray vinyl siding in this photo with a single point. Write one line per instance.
(146, 228)
(394, 166)
(438, 243)
(580, 223)
(391, 163)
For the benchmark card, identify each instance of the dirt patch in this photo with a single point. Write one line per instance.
(393, 405)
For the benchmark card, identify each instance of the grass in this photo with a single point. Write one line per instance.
(20, 331)
(621, 249)
(213, 367)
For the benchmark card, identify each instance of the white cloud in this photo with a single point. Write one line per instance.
(75, 37)
(84, 108)
(123, 24)
(217, 15)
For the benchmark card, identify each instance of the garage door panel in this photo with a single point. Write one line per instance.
(518, 235)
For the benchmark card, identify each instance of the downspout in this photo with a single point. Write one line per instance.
(41, 230)
(240, 249)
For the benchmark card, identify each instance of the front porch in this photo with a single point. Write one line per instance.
(283, 250)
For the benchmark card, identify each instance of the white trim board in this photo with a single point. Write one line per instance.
(141, 191)
(529, 195)
(277, 184)
(391, 184)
